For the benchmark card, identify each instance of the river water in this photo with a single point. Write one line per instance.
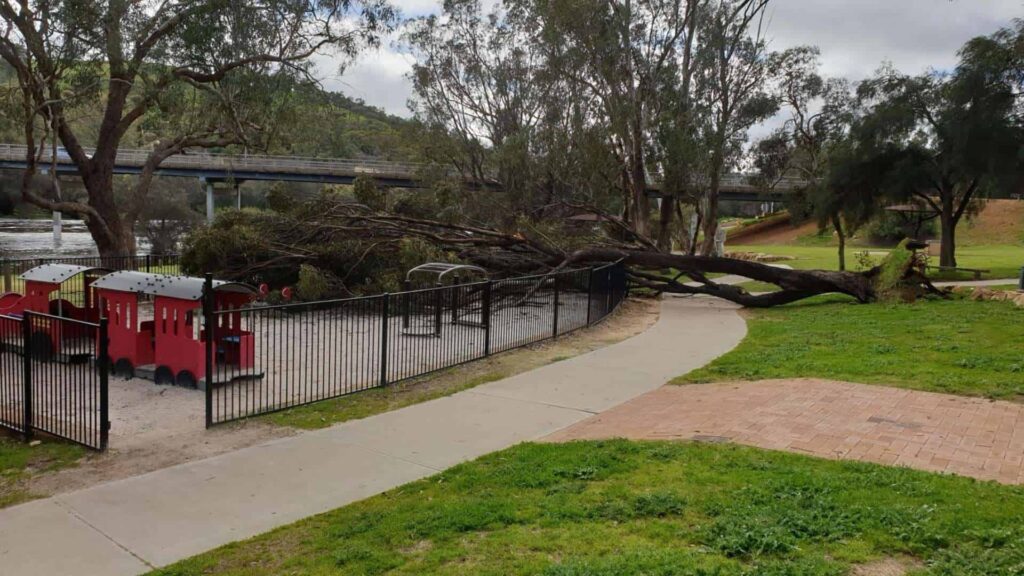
(34, 239)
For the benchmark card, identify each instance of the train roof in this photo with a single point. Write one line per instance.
(178, 287)
(58, 273)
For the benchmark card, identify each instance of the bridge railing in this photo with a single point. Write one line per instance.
(203, 160)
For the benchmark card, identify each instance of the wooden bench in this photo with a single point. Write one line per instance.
(976, 271)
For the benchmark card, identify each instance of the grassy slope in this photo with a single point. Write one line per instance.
(955, 346)
(623, 508)
(18, 461)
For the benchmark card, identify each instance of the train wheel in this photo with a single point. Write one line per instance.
(163, 375)
(186, 379)
(124, 369)
(41, 346)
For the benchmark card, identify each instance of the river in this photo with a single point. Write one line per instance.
(21, 238)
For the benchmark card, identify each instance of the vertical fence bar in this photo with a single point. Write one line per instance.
(438, 309)
(554, 313)
(384, 340)
(210, 345)
(26, 347)
(590, 295)
(104, 365)
(485, 316)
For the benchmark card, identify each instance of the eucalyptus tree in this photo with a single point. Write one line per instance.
(732, 79)
(171, 74)
(479, 80)
(948, 139)
(819, 113)
(622, 55)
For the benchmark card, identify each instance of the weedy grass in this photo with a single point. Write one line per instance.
(631, 508)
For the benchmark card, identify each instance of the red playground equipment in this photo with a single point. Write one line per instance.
(64, 290)
(170, 348)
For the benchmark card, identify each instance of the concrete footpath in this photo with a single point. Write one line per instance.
(133, 525)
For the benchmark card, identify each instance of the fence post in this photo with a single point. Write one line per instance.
(406, 288)
(26, 394)
(438, 309)
(148, 264)
(590, 293)
(485, 315)
(210, 344)
(384, 340)
(554, 315)
(104, 361)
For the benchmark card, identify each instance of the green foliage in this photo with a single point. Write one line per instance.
(313, 284)
(889, 227)
(588, 508)
(952, 346)
(368, 194)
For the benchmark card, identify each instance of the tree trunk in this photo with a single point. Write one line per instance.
(117, 238)
(668, 212)
(838, 225)
(947, 249)
(711, 214)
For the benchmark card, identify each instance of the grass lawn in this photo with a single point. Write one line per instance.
(633, 317)
(956, 346)
(1004, 261)
(19, 461)
(630, 508)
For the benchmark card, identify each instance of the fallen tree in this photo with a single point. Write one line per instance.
(336, 236)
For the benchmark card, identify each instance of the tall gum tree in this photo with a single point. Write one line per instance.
(199, 73)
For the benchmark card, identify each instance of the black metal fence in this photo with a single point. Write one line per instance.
(264, 359)
(51, 379)
(11, 269)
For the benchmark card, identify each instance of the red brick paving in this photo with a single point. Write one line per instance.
(973, 437)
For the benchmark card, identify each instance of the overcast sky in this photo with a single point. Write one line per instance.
(855, 37)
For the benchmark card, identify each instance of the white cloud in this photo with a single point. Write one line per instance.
(855, 37)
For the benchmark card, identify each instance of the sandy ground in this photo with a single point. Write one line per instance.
(154, 427)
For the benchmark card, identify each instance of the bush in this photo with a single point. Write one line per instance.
(890, 227)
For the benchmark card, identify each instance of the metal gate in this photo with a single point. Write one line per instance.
(53, 378)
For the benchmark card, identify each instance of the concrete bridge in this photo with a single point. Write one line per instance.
(211, 168)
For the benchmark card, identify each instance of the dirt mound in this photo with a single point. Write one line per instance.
(1000, 222)
(781, 232)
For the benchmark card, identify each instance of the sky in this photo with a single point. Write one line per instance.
(855, 37)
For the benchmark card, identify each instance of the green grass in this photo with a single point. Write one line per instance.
(19, 461)
(374, 401)
(1004, 261)
(630, 508)
(956, 346)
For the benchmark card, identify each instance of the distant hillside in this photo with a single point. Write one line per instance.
(1001, 222)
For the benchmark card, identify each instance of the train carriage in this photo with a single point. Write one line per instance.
(170, 346)
(64, 290)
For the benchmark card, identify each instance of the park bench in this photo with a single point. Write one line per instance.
(976, 271)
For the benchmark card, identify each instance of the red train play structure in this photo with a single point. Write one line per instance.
(155, 326)
(63, 290)
(171, 347)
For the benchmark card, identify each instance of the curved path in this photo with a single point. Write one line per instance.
(132, 525)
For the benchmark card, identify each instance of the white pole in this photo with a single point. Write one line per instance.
(209, 200)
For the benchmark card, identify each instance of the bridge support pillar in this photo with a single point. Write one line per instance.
(209, 199)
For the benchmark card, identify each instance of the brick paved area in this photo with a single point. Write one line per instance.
(936, 432)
